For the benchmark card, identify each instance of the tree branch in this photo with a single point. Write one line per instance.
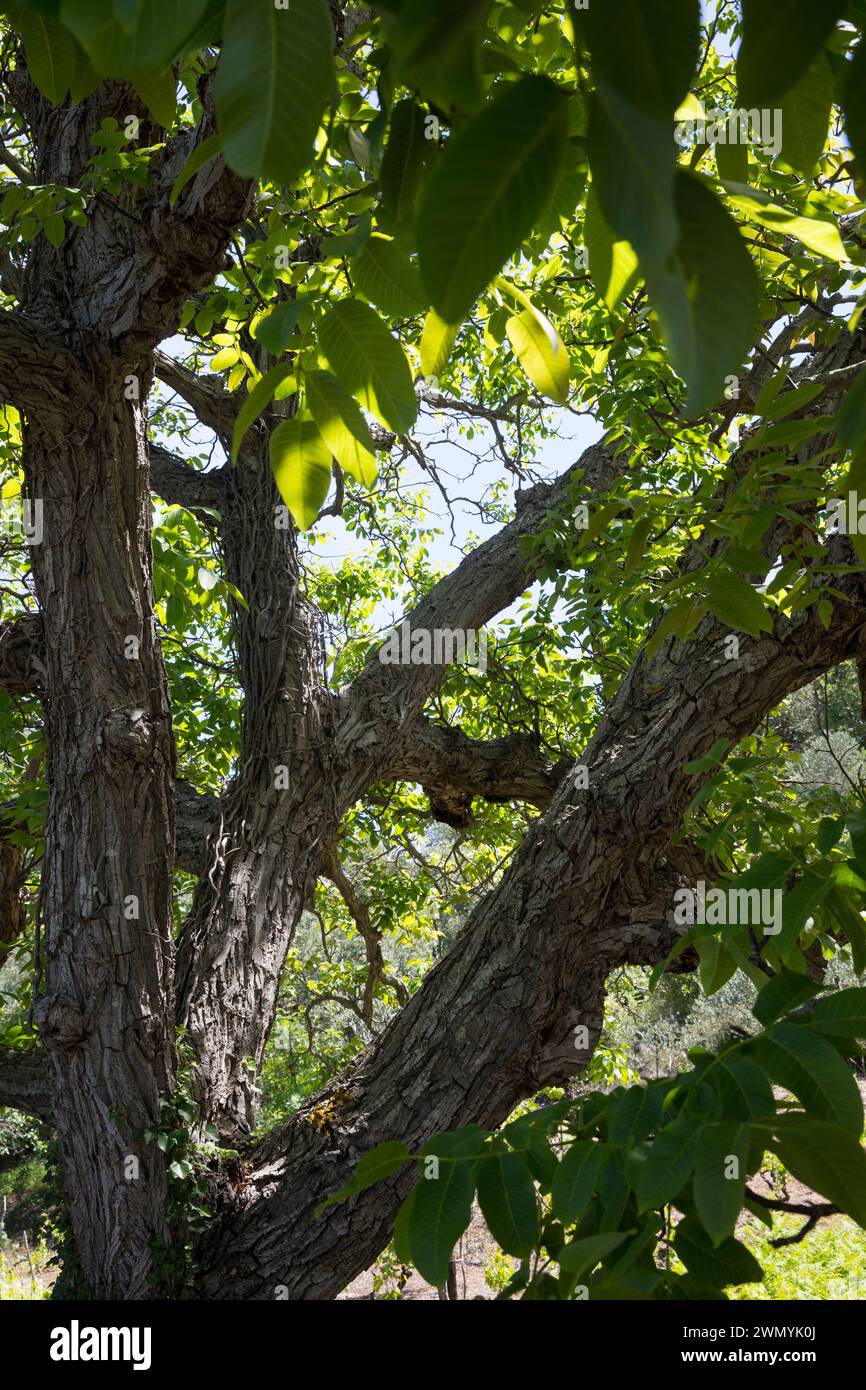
(25, 1082)
(179, 484)
(453, 769)
(215, 407)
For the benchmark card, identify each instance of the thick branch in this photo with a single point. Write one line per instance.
(25, 1083)
(453, 769)
(215, 407)
(180, 484)
(22, 668)
(36, 372)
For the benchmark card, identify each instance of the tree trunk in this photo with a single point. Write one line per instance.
(105, 1014)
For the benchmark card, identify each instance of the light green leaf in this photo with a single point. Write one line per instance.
(815, 234)
(632, 157)
(158, 91)
(301, 463)
(581, 1256)
(437, 340)
(736, 604)
(613, 264)
(487, 190)
(259, 397)
(541, 353)
(648, 53)
(371, 1168)
(342, 426)
(661, 1168)
(576, 1179)
(50, 53)
(370, 363)
(272, 83)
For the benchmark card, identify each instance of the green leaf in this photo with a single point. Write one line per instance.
(580, 1256)
(440, 1213)
(785, 991)
(732, 161)
(779, 42)
(851, 420)
(851, 922)
(301, 463)
(744, 1088)
(370, 363)
(465, 1142)
(272, 83)
(378, 1163)
(576, 1178)
(632, 157)
(825, 1158)
(50, 53)
(841, 1015)
(712, 756)
(160, 33)
(400, 1234)
(648, 53)
(437, 47)
(717, 965)
(736, 604)
(662, 1167)
(706, 295)
(274, 328)
(613, 264)
(634, 1113)
(798, 906)
(487, 190)
(406, 155)
(812, 1070)
(259, 397)
(790, 401)
(805, 116)
(720, 1177)
(158, 91)
(854, 104)
(437, 340)
(506, 1195)
(816, 235)
(541, 353)
(383, 273)
(727, 1263)
(342, 426)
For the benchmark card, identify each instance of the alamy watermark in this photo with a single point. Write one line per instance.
(760, 128)
(438, 646)
(734, 907)
(21, 519)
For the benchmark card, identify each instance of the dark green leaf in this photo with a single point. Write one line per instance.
(272, 84)
(648, 53)
(811, 1068)
(706, 295)
(506, 1195)
(727, 1263)
(439, 1215)
(785, 991)
(779, 42)
(487, 190)
(576, 1178)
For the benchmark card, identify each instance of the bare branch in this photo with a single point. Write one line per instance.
(215, 407)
